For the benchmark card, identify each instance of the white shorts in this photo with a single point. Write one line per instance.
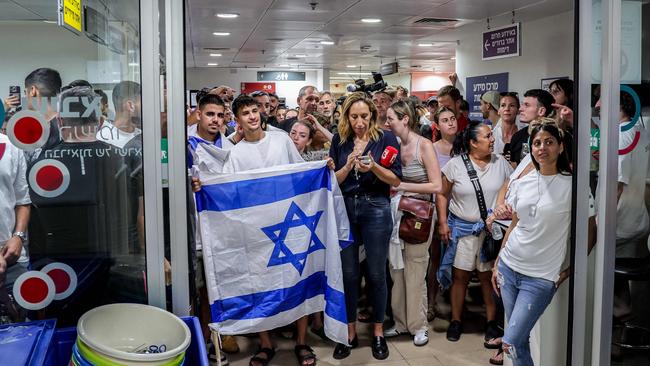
(468, 253)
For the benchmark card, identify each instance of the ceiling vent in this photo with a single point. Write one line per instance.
(435, 21)
(216, 49)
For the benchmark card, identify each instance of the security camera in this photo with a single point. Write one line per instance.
(313, 4)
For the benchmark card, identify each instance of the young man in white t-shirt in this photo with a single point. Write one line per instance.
(263, 149)
(124, 129)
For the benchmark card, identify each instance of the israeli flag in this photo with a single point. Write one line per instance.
(271, 246)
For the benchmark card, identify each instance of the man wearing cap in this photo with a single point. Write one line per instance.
(490, 106)
(432, 107)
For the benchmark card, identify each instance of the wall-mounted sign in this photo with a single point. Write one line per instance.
(546, 82)
(502, 42)
(247, 88)
(478, 85)
(70, 15)
(388, 69)
(280, 76)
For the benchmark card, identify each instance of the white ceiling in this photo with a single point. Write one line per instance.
(270, 33)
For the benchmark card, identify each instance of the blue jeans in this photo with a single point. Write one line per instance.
(524, 299)
(372, 224)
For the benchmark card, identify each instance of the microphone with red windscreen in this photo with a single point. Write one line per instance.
(388, 156)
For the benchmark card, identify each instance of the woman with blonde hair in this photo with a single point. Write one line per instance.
(367, 164)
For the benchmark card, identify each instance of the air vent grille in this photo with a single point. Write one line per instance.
(216, 49)
(434, 21)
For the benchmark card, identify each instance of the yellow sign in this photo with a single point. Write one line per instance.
(72, 14)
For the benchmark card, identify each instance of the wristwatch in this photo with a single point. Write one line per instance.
(21, 235)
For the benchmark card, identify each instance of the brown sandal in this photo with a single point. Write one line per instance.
(268, 352)
(497, 359)
(493, 343)
(304, 354)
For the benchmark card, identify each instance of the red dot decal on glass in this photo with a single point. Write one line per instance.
(28, 130)
(60, 278)
(64, 278)
(34, 290)
(49, 178)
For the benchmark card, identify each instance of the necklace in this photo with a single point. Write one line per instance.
(533, 209)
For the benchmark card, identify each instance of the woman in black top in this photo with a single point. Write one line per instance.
(365, 180)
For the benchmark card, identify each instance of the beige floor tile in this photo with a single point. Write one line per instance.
(427, 361)
(475, 358)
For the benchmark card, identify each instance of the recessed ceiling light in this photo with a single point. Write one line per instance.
(283, 65)
(134, 64)
(329, 43)
(227, 15)
(351, 66)
(425, 44)
(213, 64)
(371, 20)
(221, 33)
(300, 55)
(215, 55)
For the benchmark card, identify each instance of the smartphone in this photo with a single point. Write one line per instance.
(14, 90)
(364, 159)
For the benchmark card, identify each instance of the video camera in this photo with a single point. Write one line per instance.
(360, 84)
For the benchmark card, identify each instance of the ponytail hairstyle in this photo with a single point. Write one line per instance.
(563, 164)
(463, 139)
(405, 108)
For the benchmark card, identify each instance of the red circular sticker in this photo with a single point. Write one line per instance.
(49, 178)
(64, 278)
(34, 290)
(28, 130)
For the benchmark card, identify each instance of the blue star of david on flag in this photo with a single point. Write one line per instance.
(295, 217)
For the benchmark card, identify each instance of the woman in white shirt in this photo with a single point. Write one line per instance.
(462, 228)
(528, 268)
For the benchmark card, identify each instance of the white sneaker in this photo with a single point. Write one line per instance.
(421, 338)
(393, 332)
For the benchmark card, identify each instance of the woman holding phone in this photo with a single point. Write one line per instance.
(367, 164)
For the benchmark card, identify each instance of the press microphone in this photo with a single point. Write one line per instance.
(351, 88)
(388, 156)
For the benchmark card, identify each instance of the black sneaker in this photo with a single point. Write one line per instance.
(492, 330)
(454, 331)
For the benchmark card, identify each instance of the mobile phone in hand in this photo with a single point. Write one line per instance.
(14, 91)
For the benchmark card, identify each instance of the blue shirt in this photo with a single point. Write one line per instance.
(365, 183)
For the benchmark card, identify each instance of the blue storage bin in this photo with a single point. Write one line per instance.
(61, 349)
(26, 343)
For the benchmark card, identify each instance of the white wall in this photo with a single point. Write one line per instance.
(546, 51)
(197, 78)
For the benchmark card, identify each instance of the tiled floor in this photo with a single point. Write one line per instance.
(438, 352)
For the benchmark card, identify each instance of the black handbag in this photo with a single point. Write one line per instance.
(490, 246)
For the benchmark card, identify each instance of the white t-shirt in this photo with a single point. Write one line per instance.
(275, 148)
(114, 136)
(463, 202)
(537, 246)
(13, 189)
(632, 216)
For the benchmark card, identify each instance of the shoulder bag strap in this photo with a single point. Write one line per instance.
(473, 177)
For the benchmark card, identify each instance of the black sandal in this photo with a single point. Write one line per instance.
(303, 357)
(497, 359)
(268, 352)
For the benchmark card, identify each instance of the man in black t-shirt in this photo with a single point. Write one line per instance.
(536, 103)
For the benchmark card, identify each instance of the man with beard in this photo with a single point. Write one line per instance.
(326, 104)
(308, 98)
(275, 103)
(490, 106)
(382, 100)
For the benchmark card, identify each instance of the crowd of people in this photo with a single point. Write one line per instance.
(433, 197)
(471, 176)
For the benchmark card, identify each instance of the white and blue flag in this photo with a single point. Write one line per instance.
(271, 246)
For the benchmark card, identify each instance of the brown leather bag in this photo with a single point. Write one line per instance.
(417, 217)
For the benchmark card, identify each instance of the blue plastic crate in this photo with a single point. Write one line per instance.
(26, 343)
(61, 349)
